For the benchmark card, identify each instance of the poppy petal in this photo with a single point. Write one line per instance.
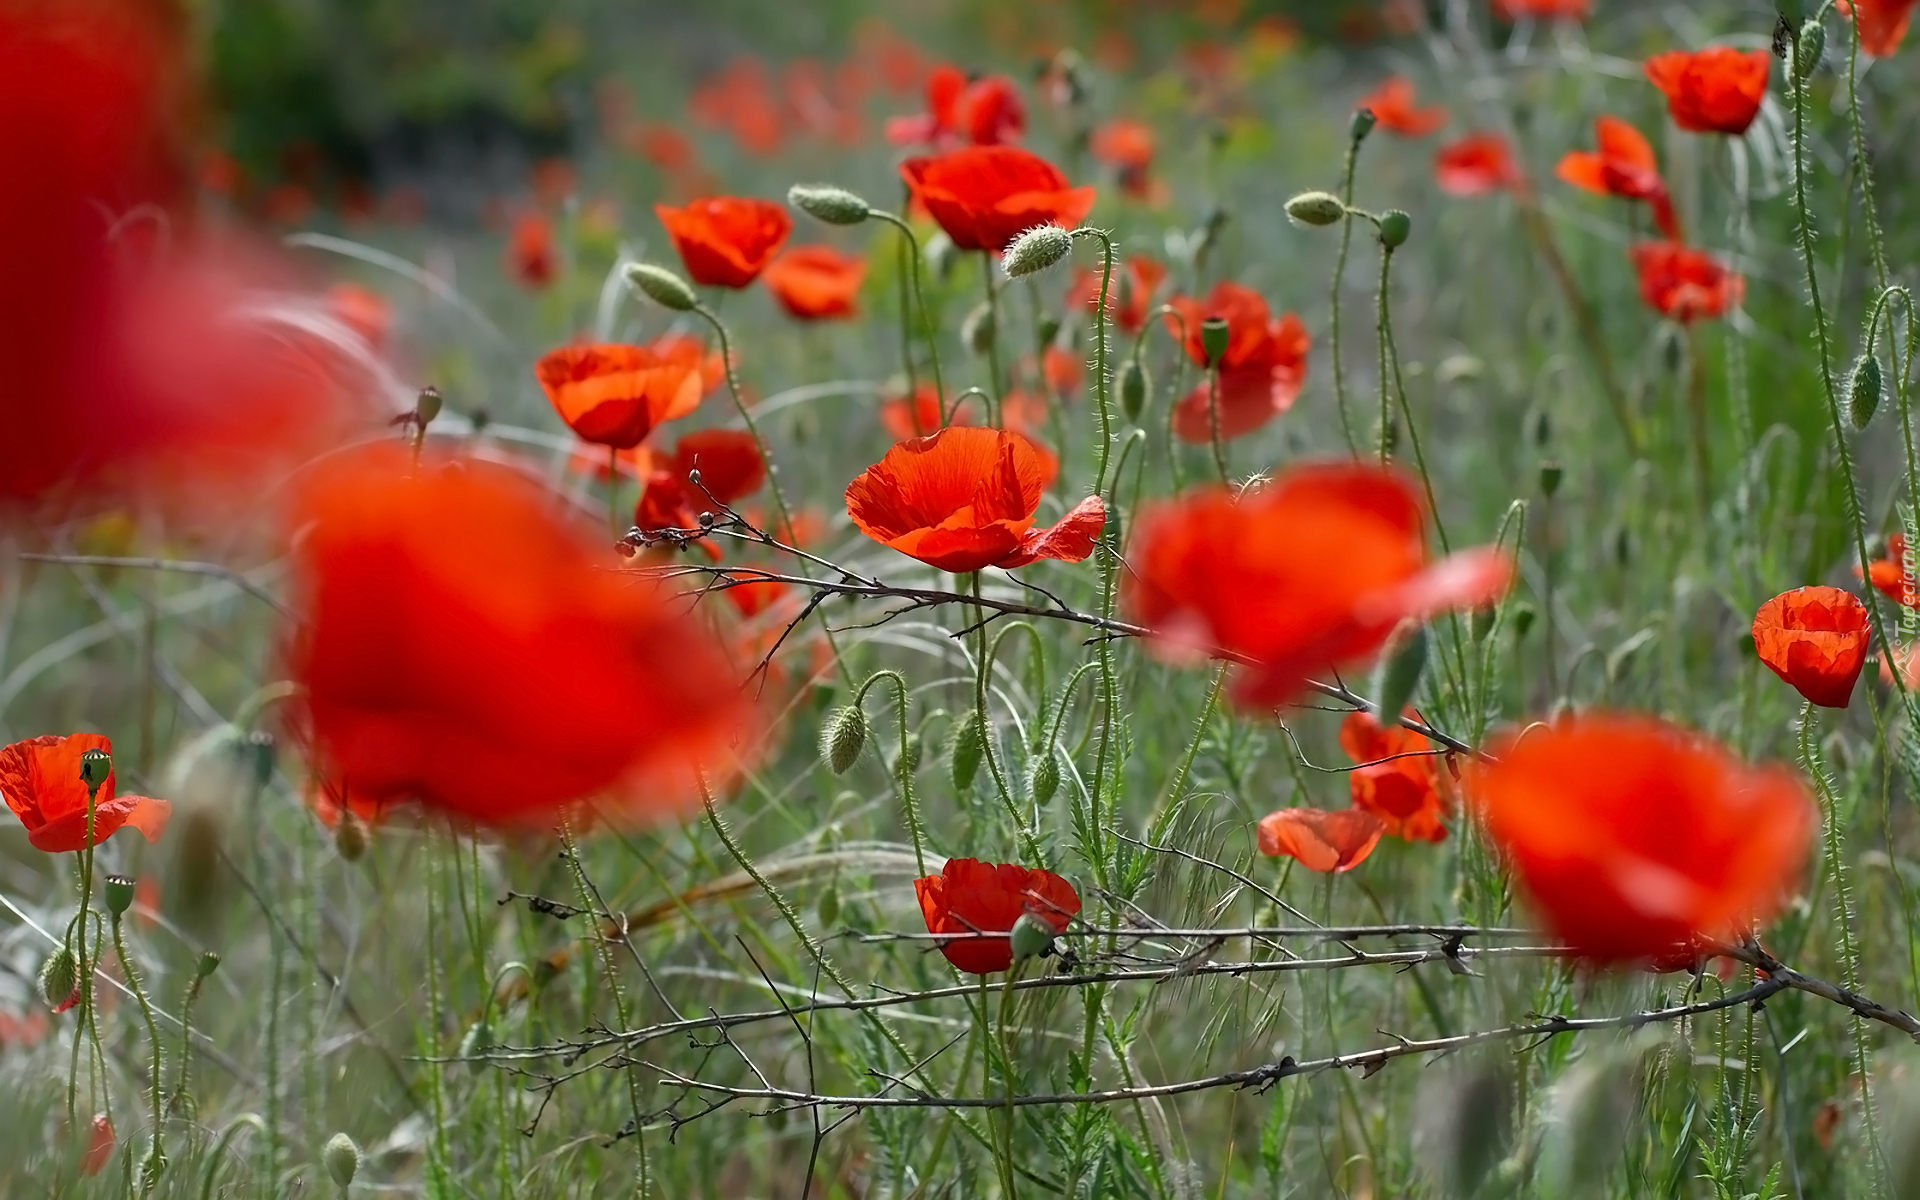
(1070, 539)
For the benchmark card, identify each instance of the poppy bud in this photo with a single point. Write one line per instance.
(964, 752)
(342, 1157)
(1316, 208)
(1043, 778)
(1133, 389)
(1361, 125)
(1522, 620)
(842, 737)
(1402, 662)
(1540, 429)
(1036, 250)
(426, 406)
(1550, 474)
(1214, 339)
(828, 908)
(1863, 390)
(95, 766)
(1481, 623)
(119, 894)
(1395, 226)
(349, 836)
(208, 964)
(262, 744)
(1622, 545)
(824, 202)
(940, 254)
(1030, 936)
(476, 1042)
(1049, 328)
(977, 331)
(1807, 49)
(1387, 436)
(663, 287)
(907, 763)
(60, 980)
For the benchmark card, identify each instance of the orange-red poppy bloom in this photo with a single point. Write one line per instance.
(1638, 839)
(726, 241)
(365, 312)
(1396, 779)
(1542, 10)
(903, 417)
(730, 467)
(1261, 372)
(944, 85)
(965, 498)
(1685, 284)
(816, 282)
(467, 644)
(99, 1145)
(616, 395)
(1623, 166)
(986, 112)
(1883, 23)
(1816, 639)
(1064, 371)
(1308, 572)
(969, 896)
(1129, 291)
(1392, 105)
(985, 196)
(755, 596)
(1475, 165)
(40, 781)
(1894, 576)
(1716, 90)
(1320, 840)
(533, 258)
(1127, 146)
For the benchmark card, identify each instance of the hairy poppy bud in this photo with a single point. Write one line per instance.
(1214, 339)
(342, 1157)
(842, 737)
(828, 908)
(1133, 389)
(1402, 662)
(208, 964)
(663, 287)
(1481, 624)
(1043, 778)
(1036, 250)
(977, 330)
(941, 253)
(1807, 49)
(1522, 620)
(95, 766)
(476, 1042)
(426, 406)
(60, 980)
(1395, 226)
(1316, 208)
(1030, 936)
(119, 894)
(1550, 476)
(350, 836)
(1863, 390)
(824, 202)
(964, 752)
(907, 763)
(1361, 125)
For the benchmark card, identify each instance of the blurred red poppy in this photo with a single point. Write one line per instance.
(1883, 23)
(365, 312)
(1816, 639)
(466, 643)
(730, 467)
(985, 196)
(1638, 839)
(1127, 146)
(944, 85)
(1129, 291)
(755, 596)
(726, 241)
(1308, 572)
(616, 395)
(40, 781)
(532, 259)
(1321, 841)
(1392, 105)
(1717, 90)
(1542, 10)
(1685, 284)
(989, 112)
(903, 418)
(1623, 166)
(1894, 575)
(99, 1145)
(970, 896)
(816, 282)
(331, 799)
(1396, 780)
(1064, 371)
(1261, 372)
(965, 498)
(1475, 165)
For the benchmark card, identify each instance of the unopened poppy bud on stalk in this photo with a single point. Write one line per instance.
(1214, 340)
(342, 1157)
(1316, 208)
(1863, 390)
(1395, 227)
(119, 894)
(978, 330)
(1133, 389)
(60, 980)
(1402, 661)
(1043, 779)
(1036, 250)
(1550, 475)
(1807, 49)
(95, 766)
(208, 964)
(842, 737)
(824, 202)
(1362, 124)
(663, 287)
(1030, 936)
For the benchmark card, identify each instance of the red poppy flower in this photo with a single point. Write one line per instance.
(40, 781)
(1717, 90)
(964, 498)
(1475, 165)
(730, 469)
(1392, 106)
(1129, 291)
(1685, 284)
(365, 312)
(1637, 838)
(985, 196)
(1320, 840)
(466, 644)
(99, 1145)
(1623, 166)
(903, 418)
(1064, 371)
(989, 112)
(1542, 10)
(755, 596)
(615, 395)
(1396, 780)
(726, 241)
(1815, 638)
(1261, 373)
(532, 260)
(1127, 146)
(1894, 575)
(970, 896)
(1883, 23)
(1308, 572)
(816, 282)
(330, 799)
(944, 85)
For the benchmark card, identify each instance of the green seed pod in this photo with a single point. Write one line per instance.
(119, 894)
(1214, 339)
(1133, 389)
(663, 287)
(60, 980)
(1550, 476)
(1043, 778)
(95, 766)
(1807, 49)
(1482, 621)
(1863, 391)
(1395, 228)
(1402, 661)
(475, 1043)
(1036, 250)
(828, 909)
(965, 749)
(907, 763)
(824, 202)
(427, 405)
(208, 964)
(842, 736)
(350, 836)
(1030, 936)
(342, 1157)
(1316, 208)
(1362, 124)
(977, 330)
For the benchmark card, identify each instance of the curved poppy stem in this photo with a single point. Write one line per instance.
(912, 810)
(156, 1159)
(983, 663)
(999, 389)
(1173, 394)
(1333, 295)
(1103, 386)
(83, 969)
(920, 298)
(1213, 423)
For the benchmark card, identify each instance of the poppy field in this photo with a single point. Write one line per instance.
(1099, 598)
